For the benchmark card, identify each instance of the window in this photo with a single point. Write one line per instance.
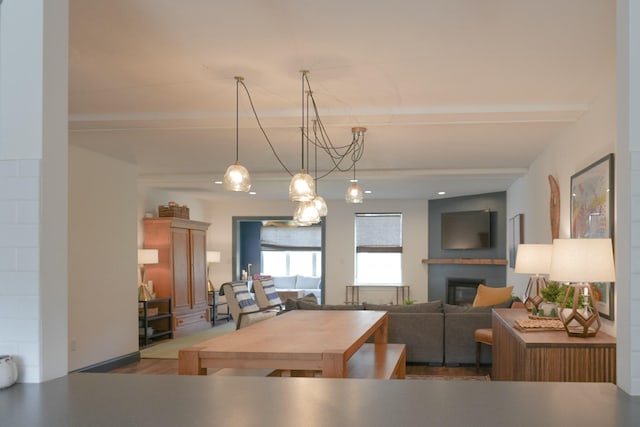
(288, 250)
(378, 248)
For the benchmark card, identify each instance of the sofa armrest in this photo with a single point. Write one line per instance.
(459, 339)
(421, 332)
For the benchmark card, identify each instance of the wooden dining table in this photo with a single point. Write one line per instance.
(305, 340)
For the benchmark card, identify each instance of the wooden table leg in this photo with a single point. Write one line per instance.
(382, 333)
(334, 365)
(402, 365)
(189, 362)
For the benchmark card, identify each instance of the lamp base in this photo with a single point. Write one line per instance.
(580, 318)
(143, 293)
(532, 297)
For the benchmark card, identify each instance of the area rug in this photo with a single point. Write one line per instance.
(450, 377)
(168, 349)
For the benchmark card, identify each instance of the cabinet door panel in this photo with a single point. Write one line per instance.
(199, 267)
(181, 267)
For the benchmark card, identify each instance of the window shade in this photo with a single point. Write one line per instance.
(378, 232)
(279, 238)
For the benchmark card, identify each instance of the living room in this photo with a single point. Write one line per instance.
(107, 200)
(588, 140)
(588, 137)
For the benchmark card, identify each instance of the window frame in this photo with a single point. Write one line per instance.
(378, 249)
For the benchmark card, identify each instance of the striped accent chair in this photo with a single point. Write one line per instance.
(243, 308)
(266, 295)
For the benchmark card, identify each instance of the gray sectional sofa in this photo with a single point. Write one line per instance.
(435, 333)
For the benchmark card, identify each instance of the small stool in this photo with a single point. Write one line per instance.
(482, 336)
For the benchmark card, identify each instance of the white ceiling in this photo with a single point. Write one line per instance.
(457, 95)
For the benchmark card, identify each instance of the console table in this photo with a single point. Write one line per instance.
(548, 355)
(352, 292)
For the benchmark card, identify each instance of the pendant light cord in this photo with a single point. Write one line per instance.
(354, 150)
(238, 80)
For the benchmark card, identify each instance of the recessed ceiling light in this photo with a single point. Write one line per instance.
(253, 193)
(441, 193)
(218, 182)
(368, 191)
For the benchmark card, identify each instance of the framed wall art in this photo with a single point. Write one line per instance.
(592, 194)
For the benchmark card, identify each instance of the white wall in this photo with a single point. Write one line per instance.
(341, 253)
(339, 239)
(103, 307)
(33, 186)
(591, 138)
(149, 200)
(628, 184)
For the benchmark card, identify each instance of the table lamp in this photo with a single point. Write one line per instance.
(212, 257)
(145, 256)
(581, 262)
(534, 259)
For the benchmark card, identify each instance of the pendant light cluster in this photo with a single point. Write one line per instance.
(310, 206)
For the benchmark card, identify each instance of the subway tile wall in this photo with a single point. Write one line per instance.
(19, 265)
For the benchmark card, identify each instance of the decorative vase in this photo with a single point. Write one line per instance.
(548, 309)
(8, 371)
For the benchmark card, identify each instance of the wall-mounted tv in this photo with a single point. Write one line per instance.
(466, 230)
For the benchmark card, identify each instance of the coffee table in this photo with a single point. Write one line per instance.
(293, 294)
(315, 340)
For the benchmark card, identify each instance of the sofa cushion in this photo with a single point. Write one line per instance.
(451, 308)
(307, 282)
(423, 333)
(487, 296)
(284, 282)
(425, 307)
(292, 304)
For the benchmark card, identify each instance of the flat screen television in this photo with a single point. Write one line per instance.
(466, 230)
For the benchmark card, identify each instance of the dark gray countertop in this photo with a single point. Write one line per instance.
(86, 399)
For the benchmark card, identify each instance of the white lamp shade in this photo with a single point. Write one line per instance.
(533, 259)
(582, 260)
(213, 256)
(147, 256)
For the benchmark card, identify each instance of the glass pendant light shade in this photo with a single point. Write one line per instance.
(302, 188)
(354, 193)
(237, 178)
(306, 214)
(321, 206)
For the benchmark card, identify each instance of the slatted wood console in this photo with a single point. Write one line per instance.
(549, 355)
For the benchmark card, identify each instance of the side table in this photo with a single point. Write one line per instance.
(214, 307)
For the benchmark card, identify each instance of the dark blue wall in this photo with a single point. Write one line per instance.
(493, 275)
(250, 246)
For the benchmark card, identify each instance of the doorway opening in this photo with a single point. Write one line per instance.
(275, 246)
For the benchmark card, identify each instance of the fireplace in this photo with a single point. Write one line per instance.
(462, 291)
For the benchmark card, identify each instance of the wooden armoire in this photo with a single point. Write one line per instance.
(181, 272)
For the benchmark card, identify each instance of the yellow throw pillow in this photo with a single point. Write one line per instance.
(491, 296)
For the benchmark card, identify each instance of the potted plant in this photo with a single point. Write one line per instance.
(550, 295)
